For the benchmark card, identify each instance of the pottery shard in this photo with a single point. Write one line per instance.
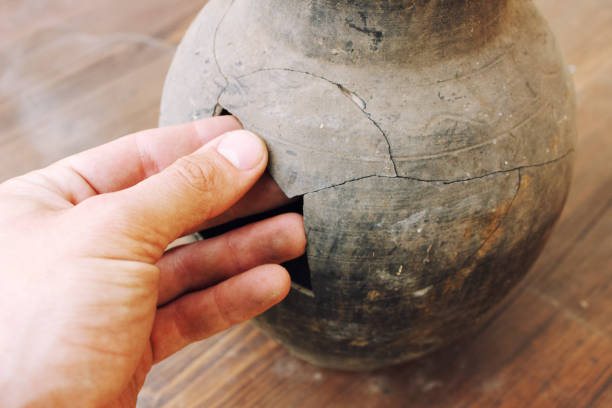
(333, 143)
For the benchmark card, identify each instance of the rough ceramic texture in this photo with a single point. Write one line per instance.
(432, 142)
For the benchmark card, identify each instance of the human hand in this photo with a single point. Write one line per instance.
(90, 300)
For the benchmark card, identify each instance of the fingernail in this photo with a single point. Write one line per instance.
(241, 148)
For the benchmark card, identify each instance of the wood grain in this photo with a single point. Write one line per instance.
(76, 74)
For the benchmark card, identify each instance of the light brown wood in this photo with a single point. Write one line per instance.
(75, 74)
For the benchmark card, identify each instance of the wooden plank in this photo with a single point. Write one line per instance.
(72, 80)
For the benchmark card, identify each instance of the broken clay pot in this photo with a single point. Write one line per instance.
(432, 142)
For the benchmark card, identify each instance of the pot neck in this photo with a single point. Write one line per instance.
(391, 30)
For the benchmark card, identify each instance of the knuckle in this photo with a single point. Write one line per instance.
(184, 326)
(201, 176)
(223, 311)
(233, 254)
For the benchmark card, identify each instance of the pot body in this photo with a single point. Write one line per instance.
(432, 142)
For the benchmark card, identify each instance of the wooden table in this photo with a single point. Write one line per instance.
(74, 74)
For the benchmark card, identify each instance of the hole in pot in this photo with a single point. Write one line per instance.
(221, 111)
(298, 268)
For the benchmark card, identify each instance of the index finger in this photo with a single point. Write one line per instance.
(127, 161)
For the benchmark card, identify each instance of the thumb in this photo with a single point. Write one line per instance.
(195, 188)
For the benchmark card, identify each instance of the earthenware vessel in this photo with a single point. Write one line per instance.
(430, 140)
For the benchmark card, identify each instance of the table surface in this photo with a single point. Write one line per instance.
(75, 74)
